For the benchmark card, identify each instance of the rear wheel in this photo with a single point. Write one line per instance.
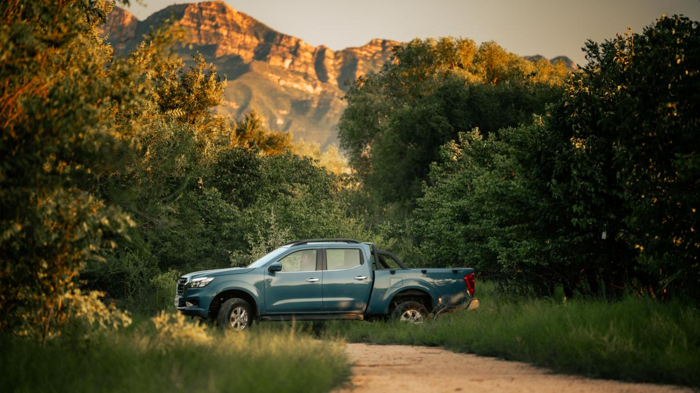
(410, 311)
(235, 314)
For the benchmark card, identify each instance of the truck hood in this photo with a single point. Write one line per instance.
(217, 272)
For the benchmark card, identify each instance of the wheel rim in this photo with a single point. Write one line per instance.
(239, 318)
(412, 315)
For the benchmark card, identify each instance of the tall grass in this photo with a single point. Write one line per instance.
(634, 339)
(142, 359)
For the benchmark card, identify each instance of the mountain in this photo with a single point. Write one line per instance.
(567, 62)
(295, 86)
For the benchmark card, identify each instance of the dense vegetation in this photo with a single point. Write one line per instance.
(598, 193)
(397, 120)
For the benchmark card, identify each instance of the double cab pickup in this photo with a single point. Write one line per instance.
(320, 279)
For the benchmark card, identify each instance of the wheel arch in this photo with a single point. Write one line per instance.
(417, 294)
(231, 293)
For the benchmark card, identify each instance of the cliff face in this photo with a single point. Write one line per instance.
(120, 27)
(297, 87)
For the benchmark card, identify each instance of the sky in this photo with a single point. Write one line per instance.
(526, 27)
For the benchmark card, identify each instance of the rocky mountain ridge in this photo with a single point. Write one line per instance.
(295, 86)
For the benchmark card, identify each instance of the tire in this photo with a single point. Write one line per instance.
(410, 311)
(235, 314)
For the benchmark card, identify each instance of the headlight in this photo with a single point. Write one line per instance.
(201, 282)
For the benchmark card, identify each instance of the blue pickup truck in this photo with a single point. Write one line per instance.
(320, 279)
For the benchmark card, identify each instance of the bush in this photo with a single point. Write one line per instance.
(81, 315)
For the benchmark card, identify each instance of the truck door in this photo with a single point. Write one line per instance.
(297, 289)
(346, 281)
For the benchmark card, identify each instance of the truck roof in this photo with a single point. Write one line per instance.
(378, 254)
(307, 241)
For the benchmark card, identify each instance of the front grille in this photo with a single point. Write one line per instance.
(180, 286)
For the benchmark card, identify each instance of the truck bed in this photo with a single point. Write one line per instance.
(446, 286)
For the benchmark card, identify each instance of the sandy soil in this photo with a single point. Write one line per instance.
(404, 369)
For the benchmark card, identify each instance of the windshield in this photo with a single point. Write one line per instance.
(268, 257)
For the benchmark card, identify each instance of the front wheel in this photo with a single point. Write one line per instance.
(410, 311)
(235, 314)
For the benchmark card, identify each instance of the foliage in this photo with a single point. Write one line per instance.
(331, 159)
(597, 196)
(268, 235)
(84, 313)
(632, 168)
(188, 93)
(487, 211)
(492, 206)
(172, 330)
(397, 120)
(58, 97)
(250, 133)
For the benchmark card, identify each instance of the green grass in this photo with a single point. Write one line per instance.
(633, 340)
(140, 359)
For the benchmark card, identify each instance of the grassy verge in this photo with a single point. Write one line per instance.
(634, 340)
(145, 359)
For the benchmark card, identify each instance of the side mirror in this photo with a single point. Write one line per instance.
(275, 267)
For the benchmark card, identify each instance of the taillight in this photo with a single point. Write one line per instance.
(469, 280)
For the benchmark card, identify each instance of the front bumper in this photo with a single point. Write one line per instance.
(190, 306)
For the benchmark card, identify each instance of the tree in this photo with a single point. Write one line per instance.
(250, 133)
(599, 195)
(57, 99)
(489, 206)
(189, 94)
(633, 169)
(397, 120)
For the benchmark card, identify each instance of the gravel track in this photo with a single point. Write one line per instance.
(405, 369)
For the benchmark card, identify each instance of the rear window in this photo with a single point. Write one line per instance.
(339, 258)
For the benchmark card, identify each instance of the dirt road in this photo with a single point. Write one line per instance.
(406, 369)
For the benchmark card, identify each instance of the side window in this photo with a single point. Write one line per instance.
(339, 259)
(300, 261)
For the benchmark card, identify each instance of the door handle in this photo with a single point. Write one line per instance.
(360, 277)
(312, 280)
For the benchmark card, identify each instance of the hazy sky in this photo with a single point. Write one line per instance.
(526, 27)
